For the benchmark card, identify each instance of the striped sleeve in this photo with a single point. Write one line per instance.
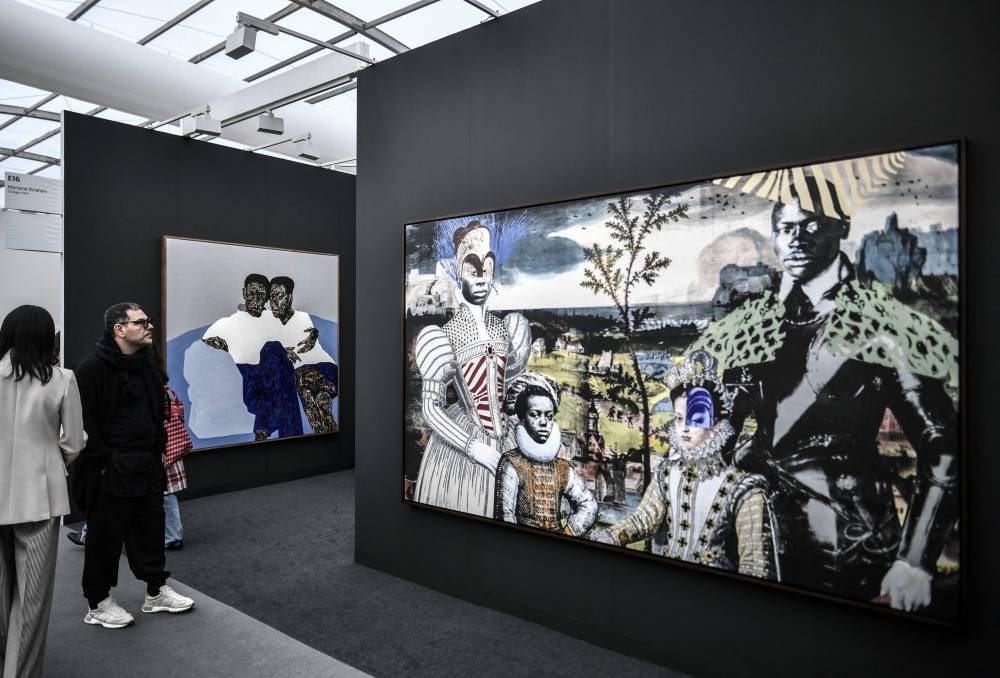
(436, 362)
(520, 344)
(434, 354)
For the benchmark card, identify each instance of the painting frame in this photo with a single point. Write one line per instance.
(334, 346)
(961, 337)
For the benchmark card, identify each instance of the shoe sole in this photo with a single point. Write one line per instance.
(97, 622)
(171, 610)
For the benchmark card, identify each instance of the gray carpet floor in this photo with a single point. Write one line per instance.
(213, 639)
(284, 556)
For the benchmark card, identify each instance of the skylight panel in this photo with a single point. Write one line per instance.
(19, 165)
(65, 103)
(313, 24)
(16, 94)
(24, 131)
(433, 22)
(51, 146)
(366, 10)
(219, 18)
(128, 20)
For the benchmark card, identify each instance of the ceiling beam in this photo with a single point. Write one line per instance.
(402, 11)
(271, 27)
(196, 7)
(333, 92)
(82, 9)
(13, 153)
(298, 57)
(331, 12)
(31, 112)
(339, 38)
(483, 8)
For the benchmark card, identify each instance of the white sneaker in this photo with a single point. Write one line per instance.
(109, 614)
(167, 600)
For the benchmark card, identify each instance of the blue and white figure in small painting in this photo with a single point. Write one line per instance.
(266, 370)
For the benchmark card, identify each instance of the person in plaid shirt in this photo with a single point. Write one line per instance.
(178, 444)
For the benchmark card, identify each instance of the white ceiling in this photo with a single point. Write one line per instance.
(150, 62)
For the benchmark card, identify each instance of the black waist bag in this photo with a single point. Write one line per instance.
(129, 472)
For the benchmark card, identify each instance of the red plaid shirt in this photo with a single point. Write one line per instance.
(176, 477)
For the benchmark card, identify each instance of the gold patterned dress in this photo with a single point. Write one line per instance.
(700, 510)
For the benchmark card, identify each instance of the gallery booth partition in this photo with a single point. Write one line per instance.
(566, 101)
(128, 188)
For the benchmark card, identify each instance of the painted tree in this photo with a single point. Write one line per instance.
(615, 271)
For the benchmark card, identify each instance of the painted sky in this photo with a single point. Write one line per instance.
(723, 226)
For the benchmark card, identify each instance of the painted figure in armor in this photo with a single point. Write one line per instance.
(698, 507)
(476, 353)
(816, 364)
(532, 480)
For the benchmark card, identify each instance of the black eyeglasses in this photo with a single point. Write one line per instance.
(145, 322)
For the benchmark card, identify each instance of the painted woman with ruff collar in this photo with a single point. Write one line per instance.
(699, 508)
(477, 353)
(532, 480)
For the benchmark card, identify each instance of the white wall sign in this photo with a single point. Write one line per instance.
(35, 194)
(29, 231)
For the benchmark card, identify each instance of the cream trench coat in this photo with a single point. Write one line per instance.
(41, 432)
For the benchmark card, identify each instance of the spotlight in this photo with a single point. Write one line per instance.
(270, 124)
(304, 149)
(199, 122)
(241, 42)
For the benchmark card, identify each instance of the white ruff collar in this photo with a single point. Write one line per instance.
(706, 459)
(534, 451)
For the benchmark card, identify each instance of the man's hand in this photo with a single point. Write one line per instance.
(309, 343)
(217, 342)
(484, 454)
(908, 587)
(292, 355)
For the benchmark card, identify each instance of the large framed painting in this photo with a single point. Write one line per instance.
(251, 340)
(757, 375)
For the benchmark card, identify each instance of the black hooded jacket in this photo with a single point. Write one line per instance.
(124, 409)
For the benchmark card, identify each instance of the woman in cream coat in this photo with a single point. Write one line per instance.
(41, 431)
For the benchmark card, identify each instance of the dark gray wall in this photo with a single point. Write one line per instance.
(577, 97)
(127, 187)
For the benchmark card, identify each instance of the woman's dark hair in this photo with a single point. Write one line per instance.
(29, 336)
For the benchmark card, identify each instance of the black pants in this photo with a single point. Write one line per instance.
(138, 522)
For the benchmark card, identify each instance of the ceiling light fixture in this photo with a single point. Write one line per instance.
(306, 150)
(269, 123)
(200, 122)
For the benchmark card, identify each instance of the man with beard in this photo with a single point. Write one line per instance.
(816, 365)
(119, 480)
